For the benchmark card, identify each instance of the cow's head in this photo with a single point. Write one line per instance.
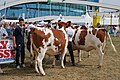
(62, 24)
(32, 30)
(83, 27)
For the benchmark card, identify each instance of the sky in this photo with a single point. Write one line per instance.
(114, 2)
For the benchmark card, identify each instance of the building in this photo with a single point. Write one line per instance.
(39, 8)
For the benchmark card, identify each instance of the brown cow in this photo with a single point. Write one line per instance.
(89, 39)
(44, 39)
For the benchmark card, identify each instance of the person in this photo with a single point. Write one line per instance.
(70, 33)
(98, 25)
(18, 40)
(3, 32)
(9, 30)
(31, 25)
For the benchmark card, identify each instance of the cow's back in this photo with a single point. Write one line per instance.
(39, 36)
(59, 39)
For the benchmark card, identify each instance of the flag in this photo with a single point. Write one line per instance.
(4, 3)
(48, 1)
(119, 18)
(103, 16)
(96, 11)
(63, 0)
(23, 15)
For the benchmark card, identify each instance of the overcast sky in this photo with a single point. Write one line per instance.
(114, 2)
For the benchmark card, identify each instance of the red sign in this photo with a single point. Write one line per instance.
(6, 51)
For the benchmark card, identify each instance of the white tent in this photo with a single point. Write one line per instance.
(88, 19)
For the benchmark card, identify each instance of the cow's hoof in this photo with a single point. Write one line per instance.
(99, 66)
(43, 74)
(31, 65)
(2, 73)
(62, 67)
(88, 56)
(79, 61)
(53, 66)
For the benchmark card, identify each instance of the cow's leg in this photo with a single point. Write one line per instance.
(104, 44)
(31, 60)
(62, 58)
(1, 71)
(101, 54)
(36, 66)
(79, 56)
(115, 32)
(40, 58)
(53, 62)
(89, 54)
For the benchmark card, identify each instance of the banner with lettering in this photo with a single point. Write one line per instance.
(6, 51)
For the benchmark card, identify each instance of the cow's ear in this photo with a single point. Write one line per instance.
(32, 29)
(104, 30)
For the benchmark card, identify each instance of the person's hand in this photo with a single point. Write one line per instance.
(15, 45)
(5, 37)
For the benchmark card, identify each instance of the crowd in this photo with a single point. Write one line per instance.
(6, 30)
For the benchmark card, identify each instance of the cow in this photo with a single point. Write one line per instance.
(43, 40)
(89, 39)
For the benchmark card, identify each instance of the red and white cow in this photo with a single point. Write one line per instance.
(89, 39)
(43, 40)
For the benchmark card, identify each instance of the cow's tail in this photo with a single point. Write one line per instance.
(31, 47)
(111, 42)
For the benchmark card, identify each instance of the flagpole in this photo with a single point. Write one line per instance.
(5, 8)
(5, 12)
(50, 8)
(64, 6)
(38, 9)
(65, 9)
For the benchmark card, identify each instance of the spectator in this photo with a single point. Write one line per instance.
(18, 39)
(13, 25)
(3, 32)
(98, 25)
(9, 30)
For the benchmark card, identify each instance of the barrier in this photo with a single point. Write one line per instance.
(6, 51)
